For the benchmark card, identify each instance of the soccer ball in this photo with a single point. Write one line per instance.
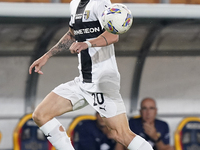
(117, 18)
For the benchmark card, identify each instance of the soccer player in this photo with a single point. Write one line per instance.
(98, 83)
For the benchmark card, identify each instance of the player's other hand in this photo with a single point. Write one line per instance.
(77, 47)
(38, 64)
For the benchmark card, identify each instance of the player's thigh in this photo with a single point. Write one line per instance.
(53, 105)
(118, 122)
(119, 129)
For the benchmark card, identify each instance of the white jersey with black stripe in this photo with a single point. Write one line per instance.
(97, 65)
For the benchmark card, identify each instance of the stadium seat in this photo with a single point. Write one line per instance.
(76, 121)
(179, 1)
(187, 134)
(12, 1)
(27, 1)
(27, 134)
(185, 1)
(38, 1)
(194, 1)
(118, 1)
(142, 1)
(65, 1)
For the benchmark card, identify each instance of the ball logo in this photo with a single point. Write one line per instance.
(114, 11)
(127, 20)
(112, 28)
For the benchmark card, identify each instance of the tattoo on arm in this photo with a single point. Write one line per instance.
(63, 45)
(105, 39)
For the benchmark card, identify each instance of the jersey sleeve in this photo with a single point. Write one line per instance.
(101, 6)
(70, 21)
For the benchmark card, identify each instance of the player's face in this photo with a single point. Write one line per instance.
(148, 110)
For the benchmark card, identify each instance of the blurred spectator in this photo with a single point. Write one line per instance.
(155, 131)
(92, 135)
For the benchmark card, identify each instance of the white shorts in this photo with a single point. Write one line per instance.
(108, 104)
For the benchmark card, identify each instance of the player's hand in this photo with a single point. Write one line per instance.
(77, 47)
(150, 130)
(38, 64)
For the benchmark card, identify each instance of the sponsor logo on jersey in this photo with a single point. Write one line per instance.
(86, 14)
(78, 16)
(87, 30)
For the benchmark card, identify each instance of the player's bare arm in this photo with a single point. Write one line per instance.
(104, 39)
(64, 43)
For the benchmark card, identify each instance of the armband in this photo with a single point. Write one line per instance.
(88, 44)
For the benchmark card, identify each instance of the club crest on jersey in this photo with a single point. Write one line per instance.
(86, 14)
